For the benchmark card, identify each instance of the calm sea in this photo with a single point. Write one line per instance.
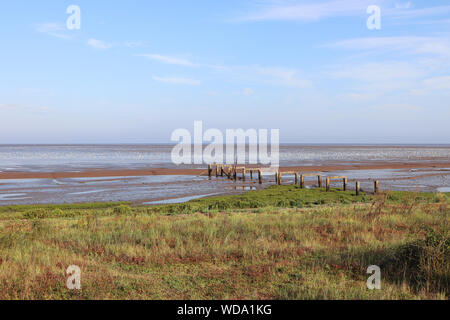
(79, 157)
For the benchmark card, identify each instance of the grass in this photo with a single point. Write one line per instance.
(275, 196)
(279, 243)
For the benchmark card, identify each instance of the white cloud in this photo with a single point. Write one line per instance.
(406, 12)
(403, 109)
(7, 106)
(53, 29)
(437, 21)
(405, 75)
(375, 81)
(311, 11)
(276, 76)
(168, 60)
(430, 85)
(405, 5)
(416, 45)
(248, 91)
(134, 44)
(283, 76)
(438, 83)
(357, 96)
(25, 108)
(399, 107)
(98, 44)
(177, 80)
(377, 71)
(273, 75)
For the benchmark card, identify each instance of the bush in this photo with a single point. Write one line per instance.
(123, 210)
(425, 264)
(184, 208)
(284, 203)
(440, 198)
(35, 214)
(220, 205)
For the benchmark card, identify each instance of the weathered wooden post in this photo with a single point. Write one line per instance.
(319, 180)
(251, 174)
(358, 187)
(302, 181)
(276, 177)
(280, 177)
(235, 174)
(296, 178)
(244, 173)
(345, 184)
(375, 186)
(210, 170)
(328, 184)
(260, 176)
(221, 171)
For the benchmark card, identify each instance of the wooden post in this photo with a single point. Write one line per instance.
(217, 170)
(251, 174)
(345, 184)
(328, 184)
(243, 174)
(221, 170)
(260, 176)
(358, 187)
(280, 177)
(302, 181)
(235, 174)
(375, 187)
(209, 171)
(319, 180)
(276, 177)
(296, 178)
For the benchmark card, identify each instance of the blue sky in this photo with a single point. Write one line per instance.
(137, 70)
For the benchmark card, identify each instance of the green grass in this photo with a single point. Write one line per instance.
(279, 243)
(288, 196)
(59, 210)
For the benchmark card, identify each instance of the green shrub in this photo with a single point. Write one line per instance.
(35, 214)
(425, 264)
(123, 210)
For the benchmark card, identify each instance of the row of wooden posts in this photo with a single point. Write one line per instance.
(301, 181)
(232, 171)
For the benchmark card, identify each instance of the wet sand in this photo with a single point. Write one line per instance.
(196, 172)
(151, 186)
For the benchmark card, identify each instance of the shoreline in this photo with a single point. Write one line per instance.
(93, 173)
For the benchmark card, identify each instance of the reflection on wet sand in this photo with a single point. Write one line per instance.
(162, 188)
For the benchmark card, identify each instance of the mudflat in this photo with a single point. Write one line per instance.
(164, 171)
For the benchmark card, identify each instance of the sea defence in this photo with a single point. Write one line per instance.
(235, 172)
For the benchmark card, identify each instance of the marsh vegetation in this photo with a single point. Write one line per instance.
(279, 243)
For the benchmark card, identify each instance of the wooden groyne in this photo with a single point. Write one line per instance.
(234, 172)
